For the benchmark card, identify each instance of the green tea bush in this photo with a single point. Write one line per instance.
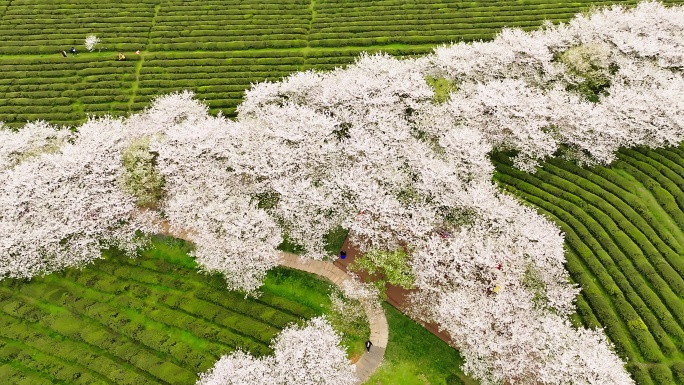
(661, 375)
(673, 155)
(640, 374)
(662, 195)
(654, 230)
(111, 322)
(589, 320)
(678, 371)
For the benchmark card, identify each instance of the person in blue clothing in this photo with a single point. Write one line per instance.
(343, 254)
(73, 51)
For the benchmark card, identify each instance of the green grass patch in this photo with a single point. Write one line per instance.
(172, 250)
(334, 241)
(298, 286)
(414, 356)
(313, 292)
(290, 246)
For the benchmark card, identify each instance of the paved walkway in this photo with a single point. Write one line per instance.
(396, 296)
(368, 362)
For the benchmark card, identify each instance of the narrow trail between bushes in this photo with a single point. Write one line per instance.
(142, 53)
(369, 361)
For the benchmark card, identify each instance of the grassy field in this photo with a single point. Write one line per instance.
(414, 356)
(151, 320)
(625, 248)
(217, 48)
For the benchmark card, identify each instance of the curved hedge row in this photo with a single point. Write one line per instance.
(625, 243)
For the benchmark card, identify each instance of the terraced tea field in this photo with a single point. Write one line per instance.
(625, 247)
(216, 48)
(155, 320)
(150, 320)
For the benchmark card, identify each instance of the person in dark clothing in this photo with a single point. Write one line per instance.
(73, 51)
(64, 53)
(343, 254)
(368, 345)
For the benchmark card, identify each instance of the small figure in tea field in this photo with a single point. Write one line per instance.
(73, 51)
(122, 56)
(64, 53)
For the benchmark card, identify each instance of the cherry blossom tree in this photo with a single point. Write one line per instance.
(31, 141)
(354, 301)
(421, 175)
(308, 355)
(60, 203)
(517, 350)
(239, 368)
(206, 197)
(91, 42)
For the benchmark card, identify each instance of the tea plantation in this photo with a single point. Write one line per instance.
(150, 320)
(217, 48)
(154, 319)
(624, 231)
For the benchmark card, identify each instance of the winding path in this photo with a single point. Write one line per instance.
(369, 361)
(396, 296)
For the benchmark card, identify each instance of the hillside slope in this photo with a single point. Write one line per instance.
(623, 226)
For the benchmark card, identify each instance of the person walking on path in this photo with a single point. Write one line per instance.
(343, 254)
(64, 53)
(73, 51)
(368, 345)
